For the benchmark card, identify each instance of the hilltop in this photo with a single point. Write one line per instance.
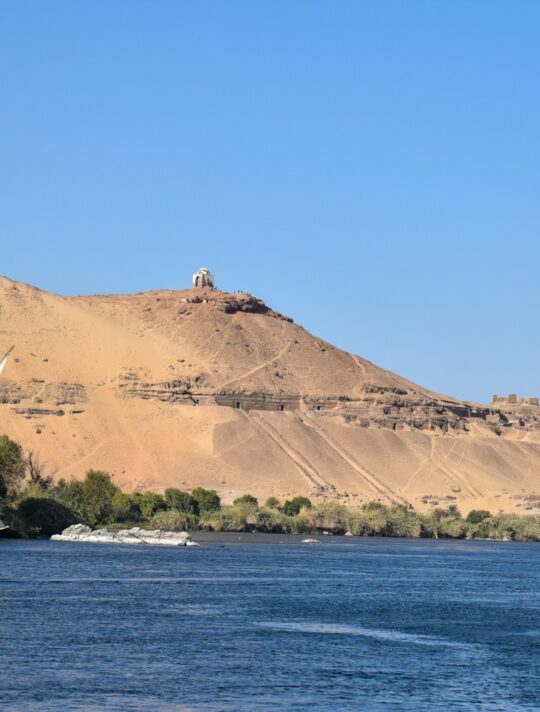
(203, 387)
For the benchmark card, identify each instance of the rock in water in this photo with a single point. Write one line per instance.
(135, 535)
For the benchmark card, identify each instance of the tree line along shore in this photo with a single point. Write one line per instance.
(32, 505)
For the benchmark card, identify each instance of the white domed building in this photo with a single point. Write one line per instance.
(203, 278)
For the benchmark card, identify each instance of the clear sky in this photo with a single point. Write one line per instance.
(369, 168)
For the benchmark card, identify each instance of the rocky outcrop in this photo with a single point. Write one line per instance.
(135, 535)
(174, 391)
(39, 391)
(382, 407)
(36, 398)
(246, 303)
(378, 407)
(233, 303)
(38, 412)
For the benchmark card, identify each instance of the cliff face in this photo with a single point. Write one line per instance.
(203, 387)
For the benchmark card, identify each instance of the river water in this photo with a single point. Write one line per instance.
(264, 622)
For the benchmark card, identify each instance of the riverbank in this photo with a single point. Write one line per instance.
(33, 505)
(43, 517)
(43, 509)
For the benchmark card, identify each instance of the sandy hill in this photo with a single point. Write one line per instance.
(204, 387)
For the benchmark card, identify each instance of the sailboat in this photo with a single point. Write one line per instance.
(5, 359)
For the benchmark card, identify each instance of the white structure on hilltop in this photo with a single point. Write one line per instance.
(203, 278)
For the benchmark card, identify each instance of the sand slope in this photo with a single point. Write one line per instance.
(142, 385)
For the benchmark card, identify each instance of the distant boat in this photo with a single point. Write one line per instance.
(5, 359)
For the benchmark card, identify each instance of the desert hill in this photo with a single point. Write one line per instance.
(199, 386)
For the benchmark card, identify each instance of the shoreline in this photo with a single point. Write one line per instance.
(202, 539)
(250, 537)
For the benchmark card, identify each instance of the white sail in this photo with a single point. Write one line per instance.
(5, 359)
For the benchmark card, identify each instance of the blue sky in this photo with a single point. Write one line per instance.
(369, 168)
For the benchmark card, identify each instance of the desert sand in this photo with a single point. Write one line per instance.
(200, 387)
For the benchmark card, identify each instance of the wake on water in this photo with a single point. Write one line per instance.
(389, 635)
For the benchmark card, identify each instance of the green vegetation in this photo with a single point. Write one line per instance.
(12, 467)
(44, 516)
(293, 506)
(181, 501)
(32, 505)
(246, 499)
(475, 516)
(207, 500)
(150, 503)
(174, 521)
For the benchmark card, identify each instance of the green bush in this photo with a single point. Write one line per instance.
(358, 525)
(150, 503)
(509, 526)
(272, 503)
(228, 519)
(99, 491)
(475, 516)
(135, 499)
(370, 520)
(439, 513)
(44, 516)
(173, 520)
(247, 499)
(329, 516)
(122, 509)
(293, 506)
(181, 501)
(301, 524)
(526, 529)
(374, 507)
(207, 500)
(453, 510)
(272, 521)
(72, 495)
(91, 498)
(402, 522)
(33, 489)
(451, 528)
(12, 467)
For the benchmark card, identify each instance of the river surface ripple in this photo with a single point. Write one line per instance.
(264, 622)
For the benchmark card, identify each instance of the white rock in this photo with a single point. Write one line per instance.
(136, 535)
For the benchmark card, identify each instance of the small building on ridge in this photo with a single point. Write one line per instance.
(203, 278)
